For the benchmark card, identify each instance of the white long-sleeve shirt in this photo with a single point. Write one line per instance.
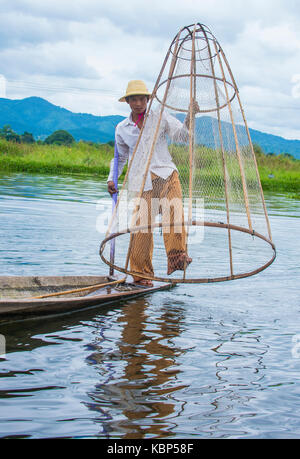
(162, 165)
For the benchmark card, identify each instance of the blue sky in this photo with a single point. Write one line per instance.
(80, 54)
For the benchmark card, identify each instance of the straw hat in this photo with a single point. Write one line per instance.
(135, 88)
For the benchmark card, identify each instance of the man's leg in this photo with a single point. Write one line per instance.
(174, 232)
(142, 242)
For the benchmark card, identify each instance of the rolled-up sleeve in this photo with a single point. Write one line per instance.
(177, 131)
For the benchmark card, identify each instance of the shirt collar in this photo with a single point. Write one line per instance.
(129, 120)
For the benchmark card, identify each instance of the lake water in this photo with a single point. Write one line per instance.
(200, 361)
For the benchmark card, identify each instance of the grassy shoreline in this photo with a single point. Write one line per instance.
(80, 158)
(277, 173)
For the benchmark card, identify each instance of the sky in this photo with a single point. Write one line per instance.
(80, 54)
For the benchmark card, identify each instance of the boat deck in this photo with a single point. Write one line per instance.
(18, 294)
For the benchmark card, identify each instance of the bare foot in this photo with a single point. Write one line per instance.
(144, 282)
(177, 261)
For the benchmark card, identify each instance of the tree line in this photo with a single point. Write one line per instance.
(59, 137)
(62, 137)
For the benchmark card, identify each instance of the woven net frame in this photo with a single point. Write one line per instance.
(214, 163)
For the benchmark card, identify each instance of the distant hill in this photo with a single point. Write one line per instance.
(275, 144)
(268, 142)
(41, 118)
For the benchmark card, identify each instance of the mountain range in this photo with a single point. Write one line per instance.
(42, 118)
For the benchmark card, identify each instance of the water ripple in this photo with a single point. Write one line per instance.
(203, 361)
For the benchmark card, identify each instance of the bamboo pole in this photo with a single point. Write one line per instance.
(137, 143)
(251, 145)
(78, 290)
(191, 140)
(115, 199)
(246, 199)
(223, 154)
(192, 123)
(171, 71)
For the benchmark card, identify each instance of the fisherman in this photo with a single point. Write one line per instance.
(162, 182)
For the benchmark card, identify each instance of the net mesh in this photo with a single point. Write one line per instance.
(191, 208)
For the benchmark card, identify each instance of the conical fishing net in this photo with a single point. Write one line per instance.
(191, 207)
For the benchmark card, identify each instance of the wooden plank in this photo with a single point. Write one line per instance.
(25, 308)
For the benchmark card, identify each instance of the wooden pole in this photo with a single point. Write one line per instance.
(78, 290)
(251, 145)
(192, 124)
(137, 143)
(115, 199)
(191, 140)
(172, 68)
(223, 153)
(242, 172)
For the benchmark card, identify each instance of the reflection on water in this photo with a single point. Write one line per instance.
(150, 374)
(193, 362)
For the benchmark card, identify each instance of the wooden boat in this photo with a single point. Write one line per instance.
(25, 297)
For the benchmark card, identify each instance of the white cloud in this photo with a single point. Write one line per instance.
(2, 86)
(100, 45)
(18, 29)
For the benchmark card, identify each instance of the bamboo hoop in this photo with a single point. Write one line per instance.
(196, 280)
(200, 75)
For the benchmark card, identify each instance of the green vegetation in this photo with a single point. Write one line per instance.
(278, 172)
(79, 158)
(60, 138)
(8, 134)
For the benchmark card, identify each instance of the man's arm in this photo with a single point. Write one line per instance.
(194, 108)
(111, 188)
(123, 152)
(179, 131)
